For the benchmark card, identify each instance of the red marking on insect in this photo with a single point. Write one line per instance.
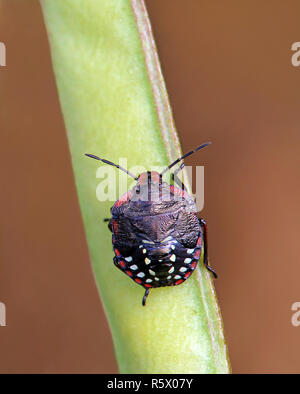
(115, 226)
(125, 198)
(194, 264)
(187, 275)
(178, 282)
(122, 264)
(178, 192)
(197, 254)
(146, 285)
(144, 177)
(138, 281)
(117, 252)
(129, 273)
(199, 242)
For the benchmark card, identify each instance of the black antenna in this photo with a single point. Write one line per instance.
(184, 156)
(112, 164)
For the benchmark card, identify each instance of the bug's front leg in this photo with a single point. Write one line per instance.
(205, 259)
(109, 220)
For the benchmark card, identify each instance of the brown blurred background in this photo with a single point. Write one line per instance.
(230, 79)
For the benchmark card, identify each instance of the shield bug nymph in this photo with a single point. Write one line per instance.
(157, 236)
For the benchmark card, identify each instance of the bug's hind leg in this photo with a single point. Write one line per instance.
(175, 178)
(205, 259)
(145, 297)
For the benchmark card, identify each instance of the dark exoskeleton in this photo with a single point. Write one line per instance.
(157, 236)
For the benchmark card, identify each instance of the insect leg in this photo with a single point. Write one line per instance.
(145, 296)
(176, 179)
(205, 259)
(109, 220)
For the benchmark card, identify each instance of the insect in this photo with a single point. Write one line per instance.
(157, 236)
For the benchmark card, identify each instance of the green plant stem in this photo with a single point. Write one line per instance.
(115, 105)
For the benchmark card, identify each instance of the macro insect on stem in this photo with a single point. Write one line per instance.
(157, 236)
